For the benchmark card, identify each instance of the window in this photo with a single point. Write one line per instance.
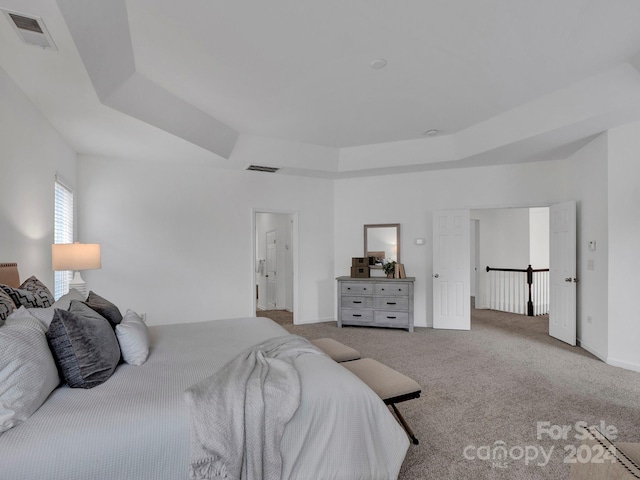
(62, 231)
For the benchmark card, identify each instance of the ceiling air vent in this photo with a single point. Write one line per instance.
(260, 168)
(30, 29)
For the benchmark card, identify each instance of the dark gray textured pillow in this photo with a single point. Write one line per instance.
(31, 294)
(105, 308)
(83, 345)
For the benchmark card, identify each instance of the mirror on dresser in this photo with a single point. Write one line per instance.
(382, 241)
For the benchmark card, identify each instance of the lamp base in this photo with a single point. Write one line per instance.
(78, 283)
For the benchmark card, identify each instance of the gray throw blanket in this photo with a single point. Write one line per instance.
(238, 415)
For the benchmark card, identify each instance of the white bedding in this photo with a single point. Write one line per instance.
(136, 425)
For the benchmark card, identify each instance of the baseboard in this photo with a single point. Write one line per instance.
(623, 364)
(635, 367)
(592, 350)
(320, 320)
(263, 308)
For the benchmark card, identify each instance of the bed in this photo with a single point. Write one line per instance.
(136, 424)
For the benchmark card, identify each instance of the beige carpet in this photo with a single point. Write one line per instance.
(281, 317)
(490, 387)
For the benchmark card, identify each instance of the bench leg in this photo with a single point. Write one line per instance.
(405, 425)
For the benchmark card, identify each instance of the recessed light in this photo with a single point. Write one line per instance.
(378, 63)
(431, 133)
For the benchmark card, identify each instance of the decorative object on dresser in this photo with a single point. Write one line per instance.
(76, 257)
(389, 268)
(376, 302)
(360, 267)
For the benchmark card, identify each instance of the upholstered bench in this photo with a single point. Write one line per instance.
(391, 386)
(336, 350)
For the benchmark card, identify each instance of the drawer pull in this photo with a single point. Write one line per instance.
(348, 288)
(391, 303)
(391, 318)
(382, 289)
(357, 315)
(357, 301)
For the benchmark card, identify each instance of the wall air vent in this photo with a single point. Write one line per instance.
(30, 29)
(260, 168)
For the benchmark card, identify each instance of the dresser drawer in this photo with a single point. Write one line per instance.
(356, 288)
(353, 315)
(397, 290)
(391, 303)
(357, 302)
(391, 319)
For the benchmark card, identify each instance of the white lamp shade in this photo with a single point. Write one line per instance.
(75, 256)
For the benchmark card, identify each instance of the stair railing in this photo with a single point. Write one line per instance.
(519, 290)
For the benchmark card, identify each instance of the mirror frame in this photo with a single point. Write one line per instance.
(383, 225)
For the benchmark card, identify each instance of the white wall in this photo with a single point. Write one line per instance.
(411, 199)
(32, 153)
(624, 246)
(177, 238)
(587, 184)
(281, 223)
(539, 237)
(503, 241)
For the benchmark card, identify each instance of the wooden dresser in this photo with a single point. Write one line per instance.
(376, 302)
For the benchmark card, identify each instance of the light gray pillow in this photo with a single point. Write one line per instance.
(64, 302)
(83, 345)
(45, 315)
(133, 337)
(28, 373)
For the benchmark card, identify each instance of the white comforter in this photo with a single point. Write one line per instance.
(136, 425)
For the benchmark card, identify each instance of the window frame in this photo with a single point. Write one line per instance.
(63, 228)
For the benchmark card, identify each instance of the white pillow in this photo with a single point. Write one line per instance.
(28, 373)
(134, 339)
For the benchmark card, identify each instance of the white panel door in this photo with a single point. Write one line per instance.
(272, 270)
(562, 272)
(451, 270)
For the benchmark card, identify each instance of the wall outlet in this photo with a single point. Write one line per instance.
(591, 264)
(589, 319)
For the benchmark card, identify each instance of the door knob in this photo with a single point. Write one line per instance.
(436, 276)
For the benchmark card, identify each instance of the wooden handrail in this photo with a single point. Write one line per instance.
(490, 269)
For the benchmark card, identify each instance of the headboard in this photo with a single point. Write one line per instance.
(9, 274)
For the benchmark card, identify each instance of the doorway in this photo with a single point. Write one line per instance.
(510, 239)
(275, 262)
(452, 268)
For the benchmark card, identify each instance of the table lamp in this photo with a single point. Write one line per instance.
(76, 257)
